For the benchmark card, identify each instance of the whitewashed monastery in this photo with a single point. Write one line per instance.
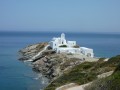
(61, 45)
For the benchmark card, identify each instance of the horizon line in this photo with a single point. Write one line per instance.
(100, 32)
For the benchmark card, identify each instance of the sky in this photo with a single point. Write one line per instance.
(60, 15)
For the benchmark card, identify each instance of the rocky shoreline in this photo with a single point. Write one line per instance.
(50, 64)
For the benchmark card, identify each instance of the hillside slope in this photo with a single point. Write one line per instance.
(109, 83)
(87, 72)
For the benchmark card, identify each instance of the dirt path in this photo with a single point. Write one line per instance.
(39, 53)
(81, 87)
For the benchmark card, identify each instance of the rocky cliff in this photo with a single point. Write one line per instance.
(48, 62)
(31, 50)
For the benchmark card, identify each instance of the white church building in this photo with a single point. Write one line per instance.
(61, 45)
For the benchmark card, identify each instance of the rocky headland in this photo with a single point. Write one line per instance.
(47, 61)
(62, 69)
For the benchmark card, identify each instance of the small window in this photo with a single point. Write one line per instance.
(55, 44)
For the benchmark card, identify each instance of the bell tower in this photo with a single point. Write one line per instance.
(62, 36)
(63, 40)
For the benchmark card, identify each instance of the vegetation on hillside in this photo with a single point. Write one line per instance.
(109, 83)
(87, 72)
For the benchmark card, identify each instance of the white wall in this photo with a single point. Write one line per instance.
(71, 43)
(87, 51)
(68, 50)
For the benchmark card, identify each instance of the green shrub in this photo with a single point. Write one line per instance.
(63, 46)
(117, 69)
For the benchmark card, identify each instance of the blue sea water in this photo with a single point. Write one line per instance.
(16, 75)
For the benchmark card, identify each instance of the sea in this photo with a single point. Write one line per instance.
(17, 75)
